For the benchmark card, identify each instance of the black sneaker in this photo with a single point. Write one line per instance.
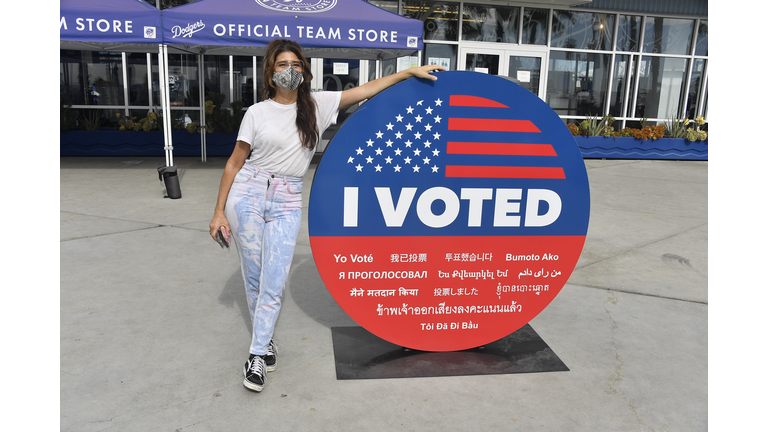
(271, 358)
(255, 372)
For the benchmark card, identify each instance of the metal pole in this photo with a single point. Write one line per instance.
(203, 120)
(126, 84)
(149, 79)
(168, 107)
(162, 77)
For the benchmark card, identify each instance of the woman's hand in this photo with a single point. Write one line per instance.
(234, 164)
(219, 221)
(424, 71)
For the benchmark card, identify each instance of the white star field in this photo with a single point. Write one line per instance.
(408, 141)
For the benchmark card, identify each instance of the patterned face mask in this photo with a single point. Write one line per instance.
(288, 78)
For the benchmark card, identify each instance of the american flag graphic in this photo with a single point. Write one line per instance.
(416, 137)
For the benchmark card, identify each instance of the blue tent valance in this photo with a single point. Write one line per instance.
(324, 28)
(110, 22)
(314, 24)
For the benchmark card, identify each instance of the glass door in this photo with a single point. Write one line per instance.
(525, 67)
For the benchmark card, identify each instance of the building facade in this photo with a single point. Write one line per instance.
(637, 61)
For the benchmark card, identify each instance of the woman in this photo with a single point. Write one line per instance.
(259, 199)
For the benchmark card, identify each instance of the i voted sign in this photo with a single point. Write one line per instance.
(447, 214)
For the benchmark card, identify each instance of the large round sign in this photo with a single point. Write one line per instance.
(446, 215)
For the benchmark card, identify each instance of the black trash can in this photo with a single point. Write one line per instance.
(170, 179)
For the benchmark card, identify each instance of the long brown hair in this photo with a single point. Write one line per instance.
(306, 120)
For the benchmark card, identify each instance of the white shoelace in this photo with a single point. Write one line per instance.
(257, 366)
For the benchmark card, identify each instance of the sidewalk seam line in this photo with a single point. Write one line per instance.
(642, 294)
(641, 246)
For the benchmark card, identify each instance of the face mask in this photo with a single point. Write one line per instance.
(288, 78)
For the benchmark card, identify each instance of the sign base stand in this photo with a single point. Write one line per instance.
(360, 354)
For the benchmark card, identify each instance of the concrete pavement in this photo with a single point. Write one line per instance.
(155, 329)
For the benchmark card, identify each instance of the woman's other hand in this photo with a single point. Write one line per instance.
(219, 221)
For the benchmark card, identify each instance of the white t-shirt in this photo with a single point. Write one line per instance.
(270, 129)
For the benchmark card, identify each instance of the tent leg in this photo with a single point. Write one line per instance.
(163, 76)
(201, 79)
(165, 92)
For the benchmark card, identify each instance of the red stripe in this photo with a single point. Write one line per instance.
(491, 125)
(474, 101)
(504, 172)
(509, 149)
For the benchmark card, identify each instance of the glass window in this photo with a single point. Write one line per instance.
(660, 87)
(155, 81)
(577, 83)
(372, 69)
(180, 120)
(441, 19)
(582, 30)
(389, 67)
(623, 77)
(628, 37)
(397, 64)
(92, 77)
(490, 24)
(166, 4)
(339, 75)
(94, 119)
(697, 84)
(441, 54)
(217, 79)
(244, 74)
(527, 72)
(183, 80)
(260, 78)
(484, 63)
(667, 35)
(702, 46)
(535, 26)
(71, 81)
(346, 78)
(388, 5)
(138, 90)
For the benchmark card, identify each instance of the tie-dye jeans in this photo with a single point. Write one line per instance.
(264, 213)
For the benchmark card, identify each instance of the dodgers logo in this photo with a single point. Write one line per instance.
(305, 6)
(150, 32)
(446, 215)
(189, 30)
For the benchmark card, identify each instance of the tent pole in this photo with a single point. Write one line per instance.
(201, 91)
(168, 106)
(126, 84)
(162, 77)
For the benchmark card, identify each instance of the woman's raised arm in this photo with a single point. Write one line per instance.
(372, 88)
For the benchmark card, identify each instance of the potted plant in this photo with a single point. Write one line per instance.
(676, 139)
(126, 136)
